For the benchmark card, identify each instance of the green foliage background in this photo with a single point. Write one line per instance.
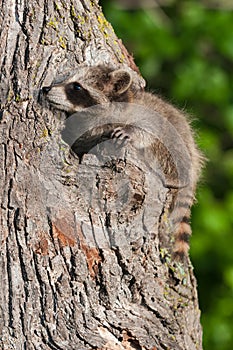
(185, 52)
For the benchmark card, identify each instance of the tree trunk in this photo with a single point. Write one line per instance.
(84, 262)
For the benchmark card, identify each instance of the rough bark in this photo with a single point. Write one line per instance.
(79, 270)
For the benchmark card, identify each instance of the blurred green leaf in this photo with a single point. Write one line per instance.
(185, 52)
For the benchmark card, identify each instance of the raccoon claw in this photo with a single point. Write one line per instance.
(121, 136)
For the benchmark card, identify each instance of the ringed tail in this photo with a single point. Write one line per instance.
(181, 222)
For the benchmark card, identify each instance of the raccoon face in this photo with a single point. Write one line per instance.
(89, 86)
(71, 96)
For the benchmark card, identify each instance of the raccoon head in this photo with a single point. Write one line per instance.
(90, 86)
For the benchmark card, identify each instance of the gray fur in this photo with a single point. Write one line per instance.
(141, 118)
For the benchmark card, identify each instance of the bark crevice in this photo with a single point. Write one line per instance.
(78, 271)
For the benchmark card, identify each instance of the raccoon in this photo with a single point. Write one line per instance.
(104, 87)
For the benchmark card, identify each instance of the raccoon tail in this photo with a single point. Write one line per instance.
(181, 223)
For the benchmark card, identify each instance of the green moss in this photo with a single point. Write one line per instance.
(62, 42)
(172, 337)
(72, 12)
(104, 26)
(53, 23)
(33, 13)
(17, 98)
(10, 95)
(165, 255)
(44, 42)
(102, 21)
(57, 6)
(45, 133)
(81, 19)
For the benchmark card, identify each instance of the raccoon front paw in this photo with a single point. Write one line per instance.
(122, 135)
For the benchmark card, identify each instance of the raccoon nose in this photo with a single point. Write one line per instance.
(46, 89)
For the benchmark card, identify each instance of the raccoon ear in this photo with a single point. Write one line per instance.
(121, 80)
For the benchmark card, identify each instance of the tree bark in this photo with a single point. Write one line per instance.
(84, 246)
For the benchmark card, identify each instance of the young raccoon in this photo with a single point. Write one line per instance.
(105, 86)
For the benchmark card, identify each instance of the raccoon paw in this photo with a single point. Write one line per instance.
(122, 135)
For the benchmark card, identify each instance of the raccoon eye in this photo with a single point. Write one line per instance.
(77, 86)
